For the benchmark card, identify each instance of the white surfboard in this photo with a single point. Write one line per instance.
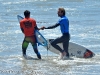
(40, 39)
(74, 49)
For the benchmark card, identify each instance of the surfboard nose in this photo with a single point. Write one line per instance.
(88, 54)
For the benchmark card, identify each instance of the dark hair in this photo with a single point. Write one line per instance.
(63, 11)
(26, 13)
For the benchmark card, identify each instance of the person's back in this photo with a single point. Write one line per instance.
(28, 24)
(64, 24)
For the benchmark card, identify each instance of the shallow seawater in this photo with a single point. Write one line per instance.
(49, 66)
(84, 29)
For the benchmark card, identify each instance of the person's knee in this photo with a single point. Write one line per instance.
(53, 44)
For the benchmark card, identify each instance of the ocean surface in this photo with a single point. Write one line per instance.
(84, 18)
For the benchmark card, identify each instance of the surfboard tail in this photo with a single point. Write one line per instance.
(88, 54)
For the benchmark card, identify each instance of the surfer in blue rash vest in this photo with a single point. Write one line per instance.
(64, 27)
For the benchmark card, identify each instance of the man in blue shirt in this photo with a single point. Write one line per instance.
(64, 27)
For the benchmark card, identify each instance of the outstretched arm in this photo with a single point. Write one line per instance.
(51, 27)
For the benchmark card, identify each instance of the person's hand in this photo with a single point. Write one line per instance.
(42, 28)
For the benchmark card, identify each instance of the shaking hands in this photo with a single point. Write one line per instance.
(42, 28)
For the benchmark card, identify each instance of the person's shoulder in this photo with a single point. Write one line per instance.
(32, 19)
(64, 18)
(22, 20)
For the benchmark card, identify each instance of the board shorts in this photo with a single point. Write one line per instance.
(29, 39)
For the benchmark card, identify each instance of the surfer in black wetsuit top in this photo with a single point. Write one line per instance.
(64, 39)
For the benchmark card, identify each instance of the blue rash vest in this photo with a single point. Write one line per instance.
(64, 24)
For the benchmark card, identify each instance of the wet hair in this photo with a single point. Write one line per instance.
(62, 10)
(26, 13)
